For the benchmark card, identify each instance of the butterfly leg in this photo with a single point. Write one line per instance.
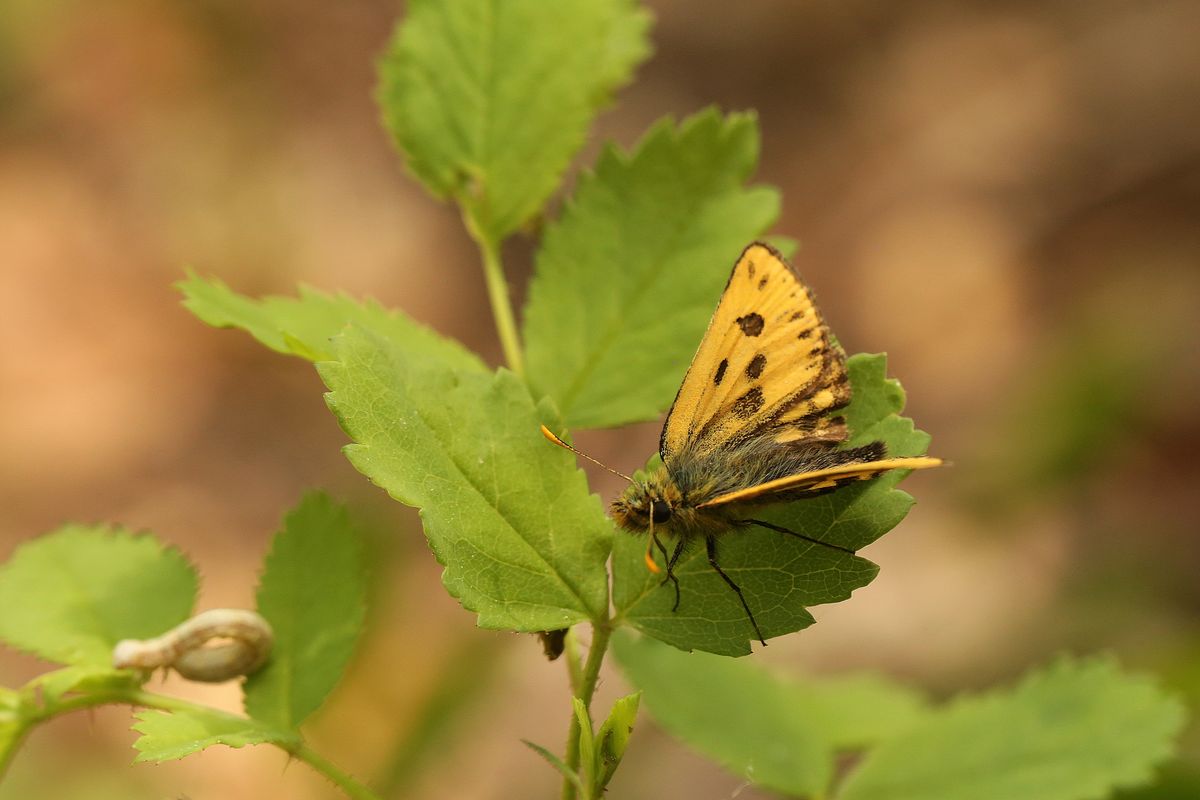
(671, 569)
(793, 533)
(711, 543)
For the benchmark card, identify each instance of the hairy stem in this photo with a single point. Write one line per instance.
(497, 288)
(136, 697)
(587, 687)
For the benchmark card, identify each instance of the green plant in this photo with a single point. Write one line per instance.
(488, 103)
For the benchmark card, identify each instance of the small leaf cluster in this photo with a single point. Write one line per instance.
(71, 595)
(1076, 730)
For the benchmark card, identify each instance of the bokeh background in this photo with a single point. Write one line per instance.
(1004, 196)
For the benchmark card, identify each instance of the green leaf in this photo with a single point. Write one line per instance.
(587, 748)
(613, 738)
(12, 724)
(313, 592)
(70, 595)
(751, 723)
(489, 100)
(856, 711)
(557, 763)
(168, 736)
(780, 575)
(305, 325)
(507, 513)
(627, 280)
(1075, 731)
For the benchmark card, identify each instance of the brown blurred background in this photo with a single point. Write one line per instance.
(1004, 196)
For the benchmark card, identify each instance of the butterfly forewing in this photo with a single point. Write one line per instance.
(766, 366)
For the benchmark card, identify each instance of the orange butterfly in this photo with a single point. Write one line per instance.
(753, 423)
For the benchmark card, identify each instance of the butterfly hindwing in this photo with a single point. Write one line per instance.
(819, 481)
(766, 367)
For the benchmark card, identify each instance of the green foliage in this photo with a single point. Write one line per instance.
(489, 101)
(11, 725)
(165, 737)
(71, 595)
(598, 752)
(613, 738)
(627, 279)
(571, 775)
(780, 575)
(83, 678)
(523, 542)
(305, 325)
(313, 592)
(779, 733)
(1075, 731)
(587, 748)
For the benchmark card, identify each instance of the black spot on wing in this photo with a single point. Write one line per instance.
(724, 365)
(762, 283)
(748, 404)
(804, 334)
(750, 269)
(751, 324)
(756, 365)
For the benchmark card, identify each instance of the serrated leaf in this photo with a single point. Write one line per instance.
(745, 719)
(70, 595)
(627, 279)
(780, 575)
(613, 737)
(304, 326)
(489, 100)
(313, 592)
(732, 710)
(168, 736)
(523, 542)
(1075, 731)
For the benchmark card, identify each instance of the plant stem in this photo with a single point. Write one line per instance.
(136, 697)
(574, 664)
(343, 780)
(591, 673)
(497, 287)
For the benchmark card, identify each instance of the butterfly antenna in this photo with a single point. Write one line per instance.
(555, 440)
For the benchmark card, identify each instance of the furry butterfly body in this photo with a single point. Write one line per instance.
(755, 422)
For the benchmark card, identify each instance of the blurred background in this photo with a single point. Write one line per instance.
(1003, 196)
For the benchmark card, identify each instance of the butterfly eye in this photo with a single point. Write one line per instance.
(660, 512)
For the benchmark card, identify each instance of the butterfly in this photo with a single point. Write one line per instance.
(754, 423)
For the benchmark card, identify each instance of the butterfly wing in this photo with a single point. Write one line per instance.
(817, 481)
(766, 367)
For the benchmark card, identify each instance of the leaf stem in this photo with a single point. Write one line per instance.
(591, 673)
(574, 663)
(136, 697)
(497, 288)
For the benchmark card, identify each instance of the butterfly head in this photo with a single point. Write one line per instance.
(643, 503)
